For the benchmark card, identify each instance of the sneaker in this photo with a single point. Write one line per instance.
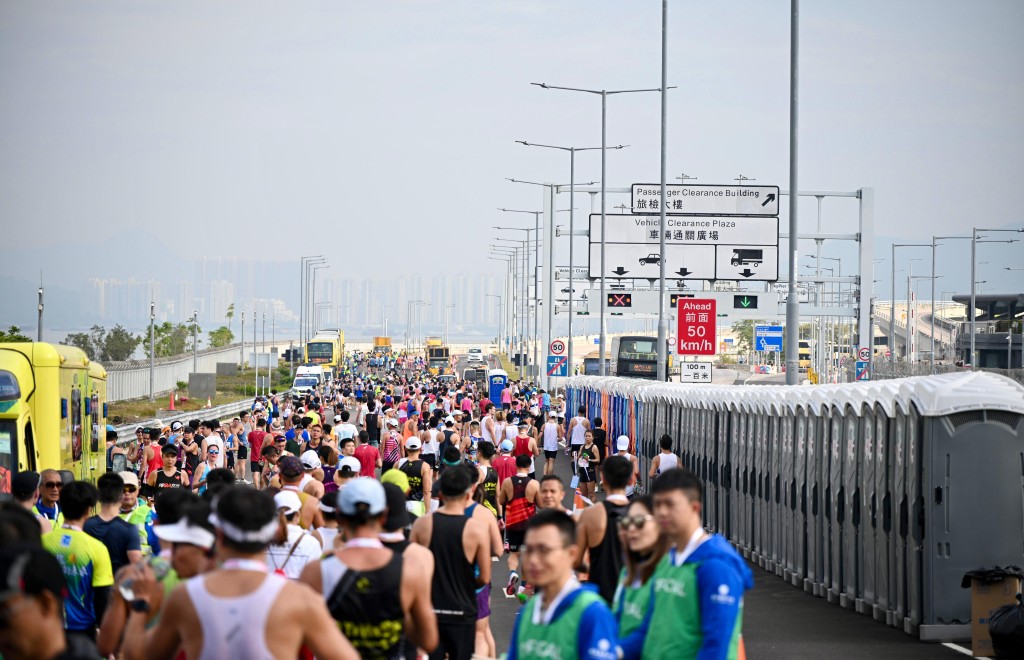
(513, 582)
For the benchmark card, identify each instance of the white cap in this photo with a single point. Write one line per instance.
(449, 418)
(622, 443)
(363, 490)
(413, 443)
(392, 422)
(182, 532)
(337, 418)
(350, 462)
(310, 460)
(288, 500)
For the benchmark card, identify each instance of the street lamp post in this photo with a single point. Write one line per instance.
(974, 251)
(303, 289)
(892, 303)
(498, 296)
(152, 349)
(604, 148)
(536, 268)
(526, 286)
(512, 258)
(195, 341)
(572, 204)
(447, 308)
(519, 256)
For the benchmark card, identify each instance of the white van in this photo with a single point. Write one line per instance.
(307, 378)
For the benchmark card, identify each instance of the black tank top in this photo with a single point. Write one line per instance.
(414, 470)
(490, 484)
(368, 608)
(606, 556)
(453, 589)
(447, 442)
(163, 481)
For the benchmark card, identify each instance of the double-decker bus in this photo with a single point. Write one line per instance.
(53, 411)
(636, 356)
(326, 349)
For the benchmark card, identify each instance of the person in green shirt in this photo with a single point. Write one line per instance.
(645, 546)
(697, 611)
(137, 512)
(84, 560)
(563, 619)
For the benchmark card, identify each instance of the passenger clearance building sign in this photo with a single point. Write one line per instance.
(696, 332)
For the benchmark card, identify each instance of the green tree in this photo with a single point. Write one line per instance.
(744, 331)
(12, 334)
(82, 340)
(119, 344)
(222, 336)
(171, 339)
(230, 314)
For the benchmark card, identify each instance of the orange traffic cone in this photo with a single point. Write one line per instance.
(172, 401)
(209, 404)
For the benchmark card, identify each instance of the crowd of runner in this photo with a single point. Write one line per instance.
(364, 519)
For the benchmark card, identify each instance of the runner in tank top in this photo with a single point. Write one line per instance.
(420, 476)
(551, 434)
(203, 616)
(526, 445)
(578, 425)
(665, 460)
(378, 597)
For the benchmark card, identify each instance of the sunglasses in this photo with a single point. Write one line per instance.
(130, 489)
(634, 521)
(213, 452)
(54, 484)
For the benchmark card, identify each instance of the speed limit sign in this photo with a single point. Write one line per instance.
(864, 354)
(557, 347)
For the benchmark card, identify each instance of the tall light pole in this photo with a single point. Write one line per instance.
(39, 309)
(241, 356)
(195, 341)
(536, 296)
(152, 349)
(892, 304)
(312, 295)
(447, 308)
(302, 294)
(511, 259)
(793, 299)
(519, 256)
(604, 93)
(974, 252)
(500, 312)
(935, 239)
(536, 269)
(572, 204)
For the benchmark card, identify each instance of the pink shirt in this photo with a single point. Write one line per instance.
(506, 396)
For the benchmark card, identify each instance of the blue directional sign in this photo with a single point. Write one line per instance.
(862, 371)
(558, 365)
(768, 338)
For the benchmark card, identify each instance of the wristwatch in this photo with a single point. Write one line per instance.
(139, 605)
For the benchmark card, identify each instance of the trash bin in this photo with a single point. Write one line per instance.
(991, 589)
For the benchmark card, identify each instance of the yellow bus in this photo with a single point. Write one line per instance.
(805, 354)
(326, 349)
(53, 411)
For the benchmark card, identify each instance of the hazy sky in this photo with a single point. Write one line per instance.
(215, 125)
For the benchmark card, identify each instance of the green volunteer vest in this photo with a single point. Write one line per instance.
(675, 630)
(138, 517)
(630, 606)
(557, 640)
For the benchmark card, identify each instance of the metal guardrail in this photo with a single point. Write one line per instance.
(125, 434)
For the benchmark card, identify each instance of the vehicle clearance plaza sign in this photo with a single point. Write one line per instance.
(696, 330)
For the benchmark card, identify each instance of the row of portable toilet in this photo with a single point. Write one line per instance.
(877, 496)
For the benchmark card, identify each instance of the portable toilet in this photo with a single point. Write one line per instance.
(497, 379)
